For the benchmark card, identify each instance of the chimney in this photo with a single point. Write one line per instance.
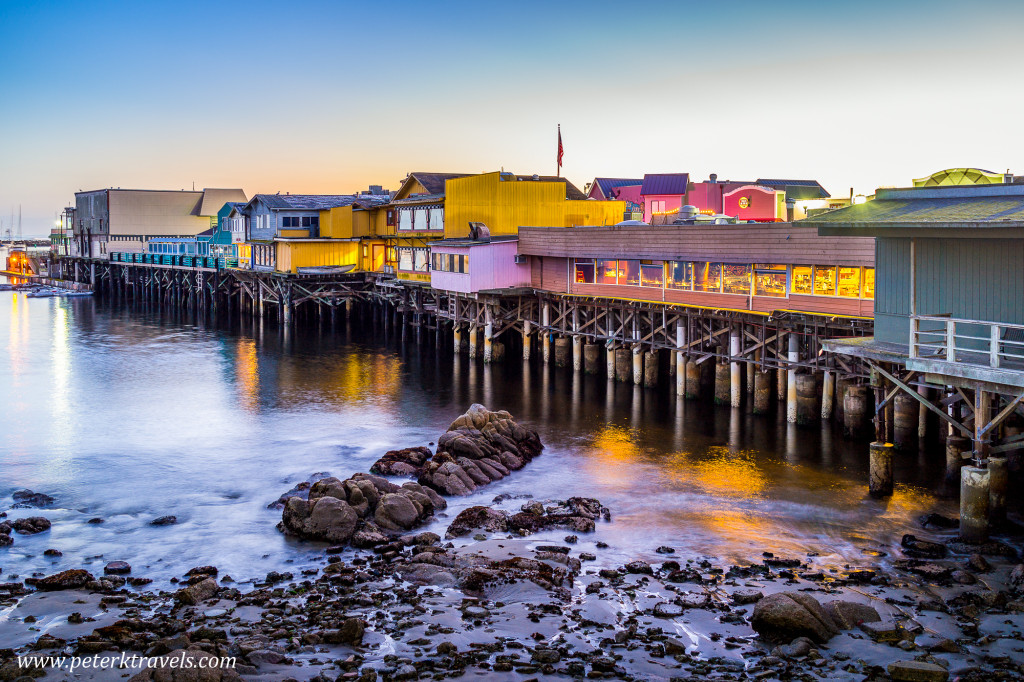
(713, 177)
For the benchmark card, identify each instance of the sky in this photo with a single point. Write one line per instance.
(330, 97)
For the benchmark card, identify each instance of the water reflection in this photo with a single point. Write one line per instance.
(129, 413)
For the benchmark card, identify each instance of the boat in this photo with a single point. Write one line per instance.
(42, 293)
(75, 293)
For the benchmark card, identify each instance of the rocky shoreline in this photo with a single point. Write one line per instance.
(518, 589)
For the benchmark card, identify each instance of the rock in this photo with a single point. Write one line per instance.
(549, 656)
(197, 593)
(667, 610)
(885, 632)
(397, 512)
(1016, 579)
(917, 671)
(740, 597)
(847, 614)
(787, 615)
(31, 525)
(962, 577)
(164, 521)
(52, 552)
(938, 521)
(477, 518)
(202, 570)
(780, 562)
(351, 633)
(300, 490)
(95, 521)
(187, 665)
(65, 580)
(406, 462)
(27, 498)
(534, 507)
(639, 567)
(665, 550)
(5, 540)
(978, 564)
(801, 646)
(117, 568)
(922, 549)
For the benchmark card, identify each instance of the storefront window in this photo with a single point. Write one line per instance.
(770, 280)
(707, 276)
(868, 290)
(651, 274)
(680, 275)
(849, 282)
(803, 279)
(629, 272)
(736, 279)
(606, 270)
(824, 280)
(404, 258)
(584, 271)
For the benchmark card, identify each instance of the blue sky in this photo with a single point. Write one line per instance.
(333, 96)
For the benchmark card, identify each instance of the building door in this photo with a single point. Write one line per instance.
(377, 259)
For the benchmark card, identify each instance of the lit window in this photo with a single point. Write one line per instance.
(769, 280)
(629, 272)
(868, 290)
(652, 274)
(606, 271)
(707, 276)
(803, 279)
(680, 275)
(736, 279)
(824, 280)
(584, 271)
(849, 282)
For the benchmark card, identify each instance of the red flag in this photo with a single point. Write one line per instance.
(560, 151)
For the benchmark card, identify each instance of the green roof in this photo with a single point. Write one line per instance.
(963, 207)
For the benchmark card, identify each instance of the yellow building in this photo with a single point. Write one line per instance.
(432, 206)
(961, 176)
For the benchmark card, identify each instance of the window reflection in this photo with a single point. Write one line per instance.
(736, 279)
(707, 276)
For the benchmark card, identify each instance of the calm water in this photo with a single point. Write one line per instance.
(133, 413)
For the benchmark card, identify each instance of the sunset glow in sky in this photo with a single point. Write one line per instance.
(329, 97)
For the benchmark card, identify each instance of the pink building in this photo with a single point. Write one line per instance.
(663, 193)
(754, 202)
(468, 266)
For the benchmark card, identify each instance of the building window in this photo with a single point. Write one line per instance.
(419, 221)
(707, 277)
(629, 272)
(584, 271)
(868, 289)
(391, 218)
(606, 271)
(736, 279)
(803, 279)
(404, 258)
(289, 222)
(435, 261)
(652, 274)
(405, 219)
(769, 280)
(310, 221)
(419, 260)
(680, 275)
(657, 206)
(824, 280)
(436, 219)
(849, 282)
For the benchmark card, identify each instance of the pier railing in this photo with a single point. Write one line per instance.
(975, 342)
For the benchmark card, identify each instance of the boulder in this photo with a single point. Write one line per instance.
(300, 489)
(917, 671)
(197, 593)
(848, 614)
(117, 568)
(477, 518)
(31, 525)
(405, 462)
(397, 512)
(27, 498)
(164, 521)
(922, 549)
(787, 615)
(72, 579)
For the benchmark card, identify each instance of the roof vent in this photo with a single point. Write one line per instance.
(689, 211)
(536, 177)
(713, 177)
(478, 232)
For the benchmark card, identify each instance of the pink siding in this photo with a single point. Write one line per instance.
(761, 203)
(628, 193)
(672, 203)
(491, 266)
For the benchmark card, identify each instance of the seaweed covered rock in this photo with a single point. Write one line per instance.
(364, 506)
(577, 514)
(405, 462)
(479, 447)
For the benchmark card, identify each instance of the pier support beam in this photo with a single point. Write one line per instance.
(998, 483)
(735, 369)
(638, 365)
(488, 334)
(562, 346)
(472, 341)
(651, 369)
(680, 359)
(577, 353)
(955, 448)
(623, 364)
(880, 470)
(794, 357)
(808, 410)
(828, 391)
(855, 410)
(457, 338)
(545, 320)
(974, 501)
(762, 391)
(591, 358)
(526, 340)
(722, 383)
(692, 379)
(905, 417)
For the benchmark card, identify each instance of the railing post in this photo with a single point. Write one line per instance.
(950, 341)
(993, 351)
(915, 326)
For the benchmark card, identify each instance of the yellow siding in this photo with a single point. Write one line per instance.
(413, 276)
(379, 223)
(506, 205)
(336, 223)
(414, 188)
(293, 234)
(292, 255)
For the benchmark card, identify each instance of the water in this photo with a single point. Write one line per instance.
(128, 414)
